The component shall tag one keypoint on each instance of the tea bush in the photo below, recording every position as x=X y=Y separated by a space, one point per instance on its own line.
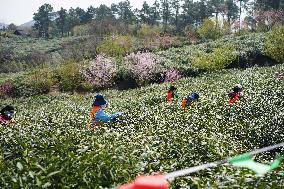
x=219 y=59
x=51 y=148
x=69 y=78
x=274 y=44
x=247 y=47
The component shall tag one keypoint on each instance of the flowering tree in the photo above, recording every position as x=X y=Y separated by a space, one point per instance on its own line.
x=172 y=75
x=145 y=67
x=100 y=72
x=269 y=18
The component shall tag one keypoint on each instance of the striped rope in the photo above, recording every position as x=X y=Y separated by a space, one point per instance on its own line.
x=183 y=172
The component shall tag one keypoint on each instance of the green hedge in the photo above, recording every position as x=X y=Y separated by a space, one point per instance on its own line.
x=274 y=44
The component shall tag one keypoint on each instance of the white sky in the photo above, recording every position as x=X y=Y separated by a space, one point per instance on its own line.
x=21 y=11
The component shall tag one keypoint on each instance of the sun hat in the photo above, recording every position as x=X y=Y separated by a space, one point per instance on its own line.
x=99 y=100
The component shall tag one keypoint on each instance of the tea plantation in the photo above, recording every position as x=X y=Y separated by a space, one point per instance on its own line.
x=51 y=148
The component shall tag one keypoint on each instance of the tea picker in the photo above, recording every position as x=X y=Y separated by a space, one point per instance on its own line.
x=189 y=99
x=6 y=115
x=172 y=93
x=234 y=95
x=98 y=116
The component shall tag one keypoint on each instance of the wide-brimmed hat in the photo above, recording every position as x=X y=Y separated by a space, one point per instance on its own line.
x=8 y=108
x=237 y=88
x=172 y=88
x=99 y=100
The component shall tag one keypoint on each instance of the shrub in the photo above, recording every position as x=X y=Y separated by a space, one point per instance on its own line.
x=145 y=67
x=35 y=82
x=148 y=31
x=124 y=78
x=209 y=30
x=6 y=88
x=220 y=58
x=40 y=80
x=101 y=71
x=116 y=45
x=191 y=34
x=69 y=77
x=274 y=44
x=87 y=46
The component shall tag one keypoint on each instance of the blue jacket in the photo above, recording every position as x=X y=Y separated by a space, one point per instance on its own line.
x=102 y=116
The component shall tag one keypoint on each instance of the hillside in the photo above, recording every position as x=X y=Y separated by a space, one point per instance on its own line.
x=51 y=147
x=27 y=24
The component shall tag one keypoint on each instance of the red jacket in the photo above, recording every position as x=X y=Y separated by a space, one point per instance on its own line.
x=3 y=120
x=234 y=97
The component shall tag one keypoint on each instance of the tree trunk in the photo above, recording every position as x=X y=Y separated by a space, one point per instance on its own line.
x=240 y=15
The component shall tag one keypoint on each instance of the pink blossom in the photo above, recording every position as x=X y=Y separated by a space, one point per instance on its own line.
x=172 y=75
x=100 y=72
x=269 y=18
x=145 y=67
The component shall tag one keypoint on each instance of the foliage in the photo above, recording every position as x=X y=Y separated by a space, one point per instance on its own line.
x=81 y=30
x=246 y=46
x=18 y=53
x=100 y=72
x=219 y=59
x=5 y=89
x=51 y=147
x=68 y=77
x=116 y=45
x=148 y=31
x=266 y=20
x=274 y=44
x=42 y=20
x=31 y=83
x=209 y=30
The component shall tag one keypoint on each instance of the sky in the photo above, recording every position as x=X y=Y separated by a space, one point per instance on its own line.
x=21 y=11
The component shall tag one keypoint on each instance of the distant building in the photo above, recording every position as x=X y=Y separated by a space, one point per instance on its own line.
x=20 y=33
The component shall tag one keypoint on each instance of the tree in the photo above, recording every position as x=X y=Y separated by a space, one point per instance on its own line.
x=216 y=6
x=154 y=13
x=231 y=11
x=11 y=27
x=42 y=20
x=75 y=17
x=102 y=12
x=144 y=13
x=124 y=12
x=188 y=13
x=80 y=15
x=166 y=13
x=202 y=11
x=61 y=20
x=266 y=5
x=175 y=4
x=71 y=20
x=241 y=5
x=89 y=15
